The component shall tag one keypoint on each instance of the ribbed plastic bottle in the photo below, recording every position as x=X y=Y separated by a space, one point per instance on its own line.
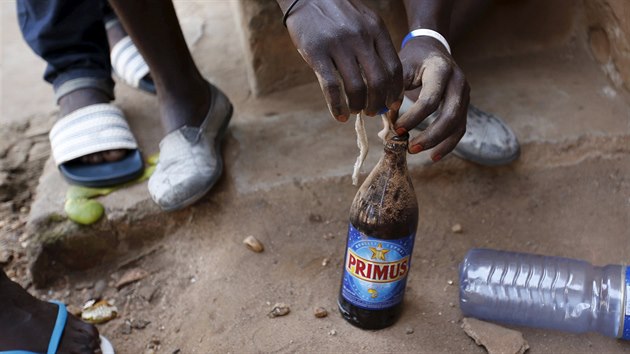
x=545 y=292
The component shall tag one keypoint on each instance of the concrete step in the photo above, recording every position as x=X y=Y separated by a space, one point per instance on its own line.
x=297 y=149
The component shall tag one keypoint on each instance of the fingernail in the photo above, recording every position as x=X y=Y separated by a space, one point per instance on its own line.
x=401 y=131
x=342 y=118
x=437 y=157
x=415 y=149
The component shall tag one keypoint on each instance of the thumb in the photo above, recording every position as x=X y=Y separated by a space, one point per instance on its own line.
x=411 y=79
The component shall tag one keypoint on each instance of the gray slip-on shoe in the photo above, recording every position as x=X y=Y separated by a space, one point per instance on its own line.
x=190 y=161
x=488 y=141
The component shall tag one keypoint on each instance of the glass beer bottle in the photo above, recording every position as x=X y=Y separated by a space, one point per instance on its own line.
x=383 y=222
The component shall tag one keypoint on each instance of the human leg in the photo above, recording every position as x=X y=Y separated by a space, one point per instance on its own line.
x=126 y=61
x=194 y=113
x=182 y=91
x=70 y=37
x=26 y=323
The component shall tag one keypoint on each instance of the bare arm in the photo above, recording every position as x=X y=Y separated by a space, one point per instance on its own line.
x=350 y=50
x=428 y=65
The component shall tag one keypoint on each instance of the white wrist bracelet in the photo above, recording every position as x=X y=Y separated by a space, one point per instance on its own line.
x=428 y=33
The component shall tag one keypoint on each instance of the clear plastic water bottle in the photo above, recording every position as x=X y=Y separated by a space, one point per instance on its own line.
x=545 y=292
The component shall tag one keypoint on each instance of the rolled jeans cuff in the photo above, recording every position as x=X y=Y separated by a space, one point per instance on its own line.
x=104 y=85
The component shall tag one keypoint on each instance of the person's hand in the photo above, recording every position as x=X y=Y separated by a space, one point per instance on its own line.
x=427 y=65
x=350 y=50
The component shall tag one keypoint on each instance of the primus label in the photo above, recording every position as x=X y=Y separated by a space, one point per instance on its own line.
x=375 y=270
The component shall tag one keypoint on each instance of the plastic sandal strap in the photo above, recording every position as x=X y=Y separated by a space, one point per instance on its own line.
x=90 y=129
x=55 y=337
x=60 y=325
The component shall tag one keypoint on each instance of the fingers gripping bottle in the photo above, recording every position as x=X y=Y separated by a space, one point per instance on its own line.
x=383 y=222
x=546 y=292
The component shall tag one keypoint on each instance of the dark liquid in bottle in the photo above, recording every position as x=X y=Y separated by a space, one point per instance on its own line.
x=383 y=220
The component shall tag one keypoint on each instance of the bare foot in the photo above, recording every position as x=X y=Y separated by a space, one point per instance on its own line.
x=26 y=323
x=82 y=98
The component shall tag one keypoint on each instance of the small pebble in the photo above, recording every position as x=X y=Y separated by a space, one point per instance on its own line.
x=125 y=328
x=279 y=309
x=449 y=282
x=332 y=332
x=328 y=236
x=451 y=304
x=325 y=262
x=253 y=244
x=457 y=229
x=315 y=218
x=409 y=330
x=139 y=324
x=320 y=312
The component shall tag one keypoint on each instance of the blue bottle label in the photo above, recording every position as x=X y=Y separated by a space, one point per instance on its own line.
x=626 y=317
x=375 y=270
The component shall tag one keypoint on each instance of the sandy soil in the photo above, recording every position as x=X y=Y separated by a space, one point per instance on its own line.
x=206 y=292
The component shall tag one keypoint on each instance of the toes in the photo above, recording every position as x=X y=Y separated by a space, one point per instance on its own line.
x=91 y=159
x=113 y=155
x=104 y=156
x=83 y=337
x=95 y=158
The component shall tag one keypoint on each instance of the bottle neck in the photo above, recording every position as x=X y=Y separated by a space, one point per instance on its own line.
x=396 y=151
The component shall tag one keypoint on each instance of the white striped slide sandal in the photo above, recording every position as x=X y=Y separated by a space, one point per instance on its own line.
x=129 y=65
x=88 y=130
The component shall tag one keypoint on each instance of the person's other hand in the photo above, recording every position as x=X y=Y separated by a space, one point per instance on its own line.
x=428 y=66
x=350 y=50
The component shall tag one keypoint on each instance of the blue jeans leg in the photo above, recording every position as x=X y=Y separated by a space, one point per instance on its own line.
x=70 y=36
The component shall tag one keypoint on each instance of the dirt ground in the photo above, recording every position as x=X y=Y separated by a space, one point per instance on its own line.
x=205 y=292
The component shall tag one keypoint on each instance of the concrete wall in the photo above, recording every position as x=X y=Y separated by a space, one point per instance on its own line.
x=513 y=27
x=509 y=27
x=273 y=62
x=608 y=26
